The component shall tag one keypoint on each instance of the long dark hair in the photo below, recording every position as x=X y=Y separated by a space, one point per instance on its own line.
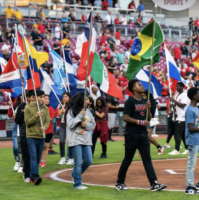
x=91 y=105
x=76 y=104
x=100 y=109
x=68 y=94
x=18 y=102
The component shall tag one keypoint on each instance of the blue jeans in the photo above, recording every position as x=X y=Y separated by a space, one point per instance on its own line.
x=80 y=152
x=192 y=158
x=14 y=139
x=35 y=147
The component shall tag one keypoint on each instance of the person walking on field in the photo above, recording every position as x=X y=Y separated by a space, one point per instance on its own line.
x=136 y=136
x=192 y=139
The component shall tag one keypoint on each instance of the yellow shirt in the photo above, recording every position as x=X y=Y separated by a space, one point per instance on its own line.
x=9 y=12
x=65 y=41
x=43 y=15
x=35 y=26
x=18 y=15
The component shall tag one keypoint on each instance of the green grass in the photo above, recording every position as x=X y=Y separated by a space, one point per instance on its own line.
x=13 y=187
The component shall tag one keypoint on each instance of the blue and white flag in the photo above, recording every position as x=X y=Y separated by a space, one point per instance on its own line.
x=69 y=70
x=59 y=76
x=79 y=88
x=50 y=89
x=155 y=87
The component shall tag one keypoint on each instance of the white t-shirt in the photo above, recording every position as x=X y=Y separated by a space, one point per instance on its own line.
x=124 y=67
x=124 y=21
x=5 y=46
x=109 y=19
x=57 y=33
x=182 y=98
x=127 y=54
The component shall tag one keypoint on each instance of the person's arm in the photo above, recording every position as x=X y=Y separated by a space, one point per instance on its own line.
x=89 y=126
x=130 y=120
x=61 y=111
x=38 y=39
x=52 y=114
x=72 y=122
x=192 y=128
x=181 y=105
x=46 y=122
x=100 y=115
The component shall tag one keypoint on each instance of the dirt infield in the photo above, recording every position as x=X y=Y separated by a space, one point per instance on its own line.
x=171 y=172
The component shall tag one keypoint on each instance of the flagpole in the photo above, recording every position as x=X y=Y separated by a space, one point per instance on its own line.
x=91 y=15
x=33 y=82
x=65 y=67
x=52 y=90
x=154 y=22
x=22 y=82
x=11 y=105
x=58 y=70
x=89 y=79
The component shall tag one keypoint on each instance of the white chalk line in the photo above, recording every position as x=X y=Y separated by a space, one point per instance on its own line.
x=54 y=175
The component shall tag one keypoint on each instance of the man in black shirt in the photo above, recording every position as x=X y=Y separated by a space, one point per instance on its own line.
x=191 y=23
x=113 y=106
x=136 y=136
x=111 y=41
x=57 y=47
x=66 y=30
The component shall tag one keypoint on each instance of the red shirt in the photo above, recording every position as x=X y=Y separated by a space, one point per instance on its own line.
x=177 y=53
x=106 y=35
x=108 y=50
x=117 y=35
x=50 y=128
x=155 y=74
x=41 y=28
x=84 y=18
x=122 y=79
x=131 y=6
x=165 y=90
x=139 y=20
x=196 y=23
x=193 y=69
x=131 y=43
x=124 y=84
x=183 y=72
x=105 y=5
x=102 y=41
x=117 y=21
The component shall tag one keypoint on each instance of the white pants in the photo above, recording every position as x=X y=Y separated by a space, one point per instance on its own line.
x=111 y=120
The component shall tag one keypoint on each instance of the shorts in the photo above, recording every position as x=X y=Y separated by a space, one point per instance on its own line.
x=149 y=127
x=48 y=137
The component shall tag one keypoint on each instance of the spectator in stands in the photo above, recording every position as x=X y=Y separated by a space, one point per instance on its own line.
x=131 y=24
x=65 y=40
x=109 y=19
x=41 y=29
x=124 y=66
x=105 y=5
x=194 y=37
x=9 y=35
x=190 y=71
x=132 y=41
x=57 y=47
x=71 y=16
x=6 y=54
x=117 y=37
x=84 y=18
x=2 y=94
x=64 y=17
x=103 y=51
x=184 y=50
x=191 y=24
x=188 y=60
x=165 y=87
x=18 y=15
x=100 y=35
x=34 y=34
x=139 y=20
x=124 y=20
x=114 y=55
x=6 y=46
x=117 y=4
x=111 y=65
x=120 y=57
x=195 y=47
x=97 y=20
x=1 y=34
x=48 y=67
x=197 y=79
x=103 y=56
x=58 y=32
x=141 y=9
x=107 y=33
x=128 y=53
x=36 y=24
x=43 y=14
x=196 y=25
x=102 y=40
x=111 y=42
x=178 y=63
x=98 y=3
x=183 y=70
x=66 y=30
x=9 y=12
x=150 y=20
x=190 y=80
x=75 y=66
x=194 y=54
x=117 y=20
x=184 y=63
x=49 y=31
x=155 y=72
x=38 y=43
x=38 y=14
x=132 y=5
x=177 y=52
x=189 y=49
x=22 y=28
x=187 y=41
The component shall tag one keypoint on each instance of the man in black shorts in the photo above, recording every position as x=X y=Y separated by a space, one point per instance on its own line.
x=136 y=136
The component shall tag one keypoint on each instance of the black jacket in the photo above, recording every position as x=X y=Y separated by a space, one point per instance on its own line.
x=19 y=119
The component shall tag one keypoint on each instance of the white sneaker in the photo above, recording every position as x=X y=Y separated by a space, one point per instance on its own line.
x=20 y=170
x=167 y=147
x=81 y=187
x=70 y=162
x=155 y=135
x=180 y=147
x=62 y=161
x=27 y=180
x=17 y=166
x=185 y=152
x=154 y=122
x=174 y=152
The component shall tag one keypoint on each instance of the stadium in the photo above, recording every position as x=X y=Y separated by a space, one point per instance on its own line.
x=98 y=99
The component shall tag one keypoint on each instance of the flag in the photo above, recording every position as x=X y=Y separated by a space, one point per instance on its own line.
x=80 y=87
x=48 y=86
x=3 y=63
x=107 y=81
x=69 y=70
x=172 y=70
x=141 y=49
x=10 y=77
x=14 y=92
x=82 y=50
x=59 y=76
x=155 y=87
x=195 y=60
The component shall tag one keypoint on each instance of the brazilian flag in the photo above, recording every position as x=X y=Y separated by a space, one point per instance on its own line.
x=141 y=49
